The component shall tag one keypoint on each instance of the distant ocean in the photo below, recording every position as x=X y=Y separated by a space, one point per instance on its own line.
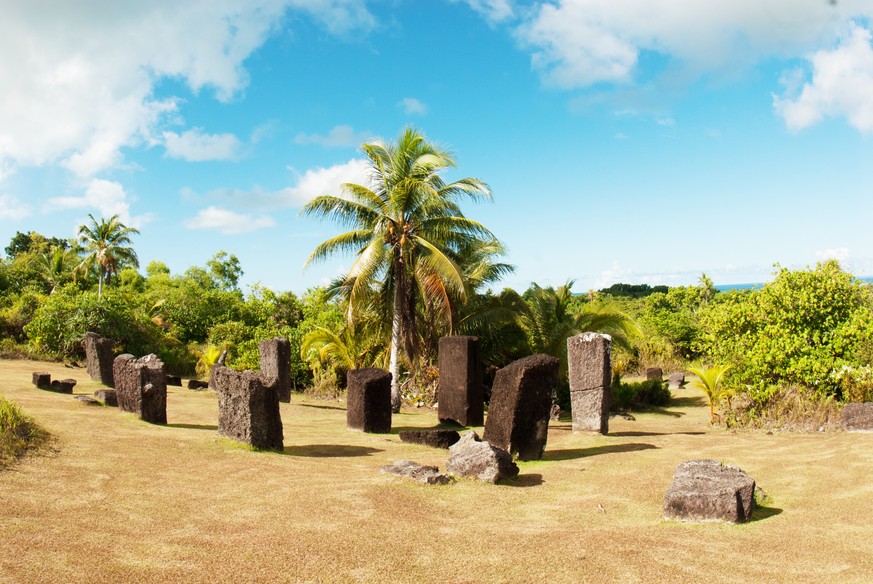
x=726 y=287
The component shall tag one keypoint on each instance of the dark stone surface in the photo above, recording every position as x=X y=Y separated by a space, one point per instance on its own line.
x=88 y=400
x=141 y=387
x=63 y=385
x=676 y=380
x=654 y=373
x=369 y=400
x=276 y=365
x=429 y=475
x=706 y=490
x=107 y=396
x=460 y=395
x=42 y=380
x=99 y=358
x=433 y=438
x=858 y=417
x=248 y=408
x=589 y=368
x=197 y=385
x=521 y=401
x=472 y=457
x=174 y=380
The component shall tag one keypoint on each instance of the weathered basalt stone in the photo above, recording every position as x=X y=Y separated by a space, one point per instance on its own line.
x=197 y=385
x=858 y=417
x=369 y=400
x=706 y=490
x=63 y=385
x=107 y=396
x=276 y=365
x=654 y=373
x=42 y=380
x=87 y=400
x=460 y=394
x=141 y=387
x=472 y=457
x=521 y=402
x=99 y=359
x=434 y=438
x=589 y=367
x=174 y=380
x=676 y=380
x=429 y=475
x=248 y=408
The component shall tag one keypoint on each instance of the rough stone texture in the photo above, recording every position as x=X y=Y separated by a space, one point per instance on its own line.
x=521 y=402
x=472 y=457
x=174 y=380
x=197 y=385
x=676 y=380
x=589 y=367
x=248 y=408
x=98 y=355
x=706 y=490
x=654 y=373
x=369 y=400
x=88 y=400
x=461 y=394
x=432 y=438
x=429 y=475
x=276 y=365
x=141 y=387
x=858 y=417
x=555 y=412
x=42 y=380
x=63 y=385
x=107 y=396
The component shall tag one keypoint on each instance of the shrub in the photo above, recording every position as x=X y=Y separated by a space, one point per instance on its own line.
x=18 y=432
x=637 y=395
x=791 y=409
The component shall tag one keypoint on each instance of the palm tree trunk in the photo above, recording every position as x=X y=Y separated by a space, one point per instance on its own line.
x=100 y=284
x=396 y=330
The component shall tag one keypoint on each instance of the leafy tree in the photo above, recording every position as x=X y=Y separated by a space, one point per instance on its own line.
x=107 y=246
x=225 y=270
x=32 y=241
x=406 y=224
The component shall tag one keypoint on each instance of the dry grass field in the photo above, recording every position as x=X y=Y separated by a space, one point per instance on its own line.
x=118 y=500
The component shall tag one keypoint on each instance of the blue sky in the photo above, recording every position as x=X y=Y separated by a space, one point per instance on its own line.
x=639 y=141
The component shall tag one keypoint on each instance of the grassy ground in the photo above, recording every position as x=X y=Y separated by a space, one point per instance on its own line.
x=119 y=500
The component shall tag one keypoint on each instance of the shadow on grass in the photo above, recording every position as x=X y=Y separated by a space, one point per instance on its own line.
x=330 y=450
x=193 y=426
x=691 y=401
x=763 y=512
x=525 y=480
x=324 y=407
x=635 y=433
x=441 y=426
x=572 y=453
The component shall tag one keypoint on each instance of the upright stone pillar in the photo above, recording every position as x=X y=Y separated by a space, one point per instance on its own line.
x=248 y=408
x=460 y=395
x=590 y=370
x=654 y=373
x=141 y=387
x=521 y=401
x=369 y=400
x=276 y=366
x=98 y=356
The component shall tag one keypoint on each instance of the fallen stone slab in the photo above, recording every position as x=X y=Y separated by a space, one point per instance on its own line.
x=197 y=385
x=88 y=400
x=858 y=417
x=63 y=385
x=707 y=490
x=174 y=380
x=472 y=457
x=107 y=396
x=429 y=475
x=435 y=438
x=42 y=380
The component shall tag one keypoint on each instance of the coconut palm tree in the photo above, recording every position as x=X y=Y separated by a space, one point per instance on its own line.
x=406 y=227
x=55 y=265
x=107 y=247
x=710 y=381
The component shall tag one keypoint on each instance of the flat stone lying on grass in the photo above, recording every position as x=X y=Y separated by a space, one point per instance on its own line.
x=435 y=438
x=368 y=402
x=174 y=380
x=589 y=369
x=42 y=380
x=99 y=358
x=63 y=385
x=275 y=364
x=87 y=399
x=472 y=457
x=248 y=408
x=521 y=402
x=107 y=396
x=858 y=417
x=429 y=475
x=197 y=385
x=461 y=395
x=676 y=380
x=707 y=490
x=141 y=387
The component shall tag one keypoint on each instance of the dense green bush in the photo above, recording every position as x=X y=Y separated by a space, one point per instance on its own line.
x=640 y=394
x=18 y=432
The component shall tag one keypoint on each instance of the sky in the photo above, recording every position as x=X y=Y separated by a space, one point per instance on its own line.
x=641 y=141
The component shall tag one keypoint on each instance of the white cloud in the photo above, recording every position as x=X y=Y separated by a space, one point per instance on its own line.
x=108 y=198
x=12 y=208
x=326 y=181
x=339 y=137
x=493 y=10
x=78 y=79
x=228 y=222
x=578 y=43
x=195 y=146
x=841 y=254
x=842 y=85
x=412 y=106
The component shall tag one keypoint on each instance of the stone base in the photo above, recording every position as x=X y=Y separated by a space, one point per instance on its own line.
x=432 y=438
x=706 y=490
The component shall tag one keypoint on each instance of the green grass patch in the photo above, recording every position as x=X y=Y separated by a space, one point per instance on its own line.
x=18 y=432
